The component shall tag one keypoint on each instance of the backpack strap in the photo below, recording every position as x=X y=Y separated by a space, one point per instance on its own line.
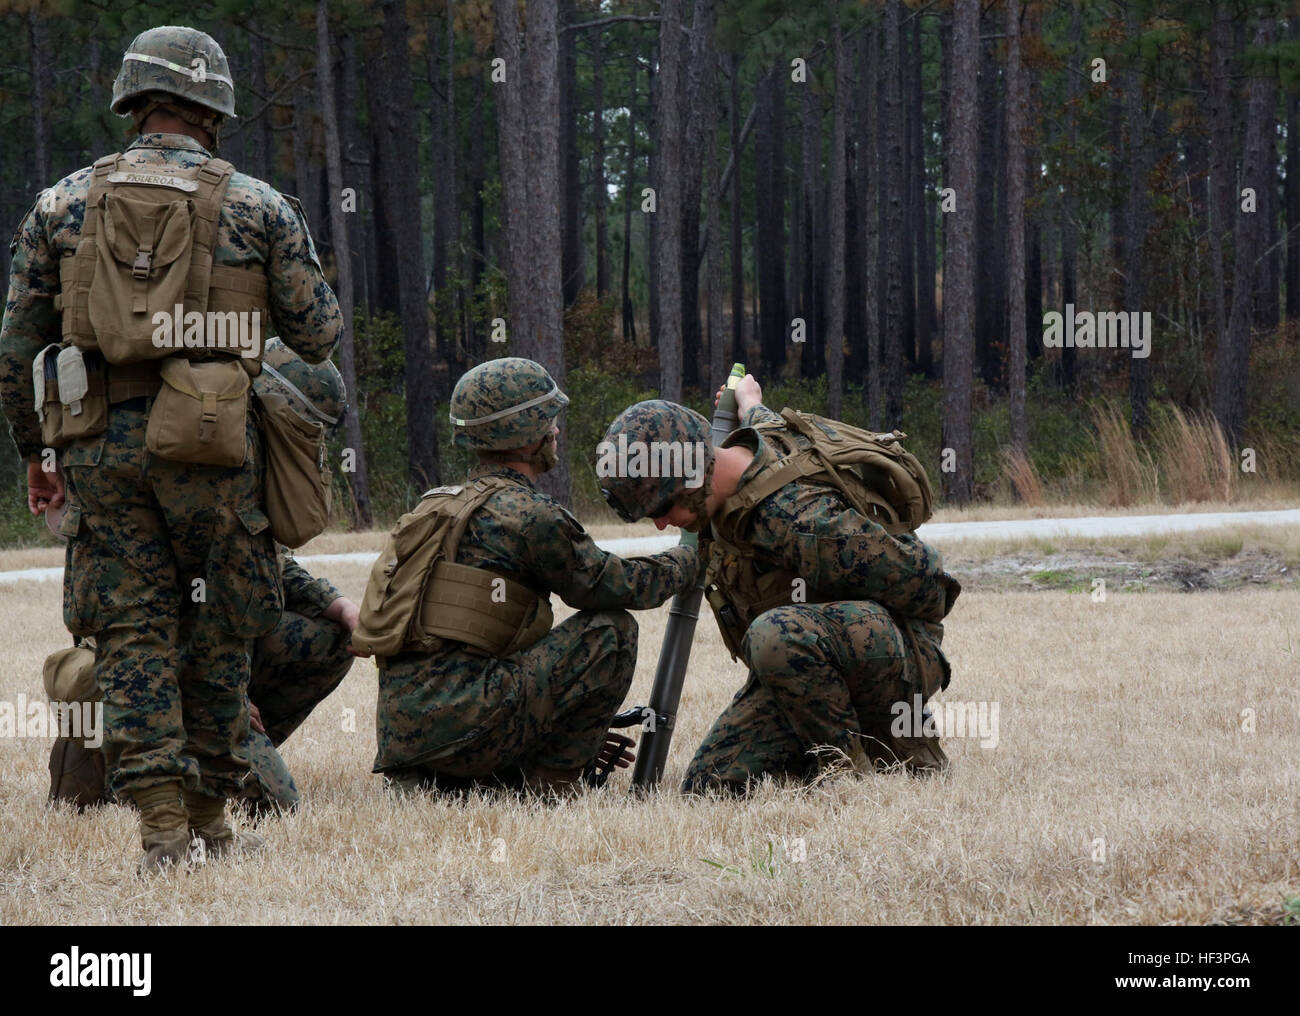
x=77 y=272
x=213 y=180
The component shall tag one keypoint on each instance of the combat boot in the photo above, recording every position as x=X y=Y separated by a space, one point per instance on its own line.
x=164 y=826
x=208 y=823
x=921 y=756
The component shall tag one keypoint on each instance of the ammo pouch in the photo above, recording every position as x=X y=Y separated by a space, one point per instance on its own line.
x=489 y=612
x=298 y=480
x=201 y=413
x=71 y=396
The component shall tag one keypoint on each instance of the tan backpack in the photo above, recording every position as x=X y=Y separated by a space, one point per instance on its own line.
x=146 y=249
x=418 y=596
x=875 y=473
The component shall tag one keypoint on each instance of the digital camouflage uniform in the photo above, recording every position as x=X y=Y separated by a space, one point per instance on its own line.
x=294 y=668
x=460 y=713
x=537 y=716
x=141 y=529
x=826 y=673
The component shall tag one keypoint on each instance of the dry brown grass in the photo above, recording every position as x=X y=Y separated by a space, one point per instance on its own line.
x=1019 y=473
x=1129 y=475
x=1120 y=721
x=1196 y=463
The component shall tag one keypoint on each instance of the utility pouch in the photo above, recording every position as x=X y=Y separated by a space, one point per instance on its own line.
x=83 y=394
x=201 y=413
x=730 y=624
x=298 y=480
x=45 y=394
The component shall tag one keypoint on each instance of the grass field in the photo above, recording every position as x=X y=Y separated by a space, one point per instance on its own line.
x=1146 y=771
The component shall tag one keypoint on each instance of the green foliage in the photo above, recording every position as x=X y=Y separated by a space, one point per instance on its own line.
x=595 y=398
x=761 y=862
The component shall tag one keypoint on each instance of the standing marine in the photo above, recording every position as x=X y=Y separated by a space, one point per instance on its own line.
x=837 y=619
x=139 y=292
x=475 y=685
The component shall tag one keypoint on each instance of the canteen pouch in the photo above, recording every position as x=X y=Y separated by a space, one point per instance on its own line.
x=298 y=481
x=83 y=394
x=201 y=413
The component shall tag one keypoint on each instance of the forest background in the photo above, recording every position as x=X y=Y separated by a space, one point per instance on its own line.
x=872 y=205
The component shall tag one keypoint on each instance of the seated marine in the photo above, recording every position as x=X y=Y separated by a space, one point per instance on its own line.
x=475 y=685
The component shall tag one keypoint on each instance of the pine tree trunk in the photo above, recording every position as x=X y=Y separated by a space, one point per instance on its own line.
x=572 y=267
x=1016 y=230
x=402 y=193
x=836 y=253
x=629 y=173
x=738 y=353
x=1135 y=220
x=770 y=239
x=362 y=513
x=892 y=238
x=39 y=63
x=544 y=284
x=669 y=194
x=1293 y=193
x=869 y=174
x=1232 y=360
x=959 y=277
x=599 y=190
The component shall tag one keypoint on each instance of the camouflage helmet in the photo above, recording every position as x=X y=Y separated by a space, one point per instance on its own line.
x=314 y=391
x=179 y=61
x=504 y=404
x=664 y=434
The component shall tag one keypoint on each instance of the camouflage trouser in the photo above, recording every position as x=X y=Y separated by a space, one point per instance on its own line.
x=819 y=675
x=294 y=669
x=473 y=718
x=171 y=568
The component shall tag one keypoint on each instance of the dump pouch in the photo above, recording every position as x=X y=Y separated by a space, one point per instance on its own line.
x=298 y=480
x=201 y=413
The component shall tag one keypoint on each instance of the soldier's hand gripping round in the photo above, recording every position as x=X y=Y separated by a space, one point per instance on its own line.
x=823 y=589
x=474 y=682
x=170 y=566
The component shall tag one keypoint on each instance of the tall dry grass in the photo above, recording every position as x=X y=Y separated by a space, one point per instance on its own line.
x=1128 y=476
x=1195 y=461
x=1020 y=474
x=1127 y=787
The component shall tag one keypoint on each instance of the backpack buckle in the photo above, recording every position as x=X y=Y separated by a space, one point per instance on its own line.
x=143 y=263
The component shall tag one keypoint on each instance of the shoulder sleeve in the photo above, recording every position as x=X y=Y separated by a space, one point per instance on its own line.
x=30 y=323
x=567 y=561
x=303 y=307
